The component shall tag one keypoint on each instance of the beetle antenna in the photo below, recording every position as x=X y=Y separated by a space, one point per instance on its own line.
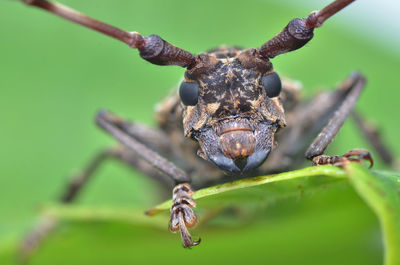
x=151 y=48
x=299 y=31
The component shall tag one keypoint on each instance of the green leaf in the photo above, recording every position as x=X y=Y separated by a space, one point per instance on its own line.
x=263 y=189
x=381 y=191
x=241 y=193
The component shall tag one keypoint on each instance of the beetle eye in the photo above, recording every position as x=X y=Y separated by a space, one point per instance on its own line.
x=189 y=93
x=272 y=84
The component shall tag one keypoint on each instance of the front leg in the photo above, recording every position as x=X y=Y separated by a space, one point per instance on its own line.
x=112 y=125
x=354 y=155
x=315 y=151
x=182 y=214
x=139 y=142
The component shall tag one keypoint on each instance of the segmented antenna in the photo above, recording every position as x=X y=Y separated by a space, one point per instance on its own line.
x=299 y=31
x=152 y=48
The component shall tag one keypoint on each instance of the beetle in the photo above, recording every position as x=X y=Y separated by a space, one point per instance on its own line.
x=238 y=114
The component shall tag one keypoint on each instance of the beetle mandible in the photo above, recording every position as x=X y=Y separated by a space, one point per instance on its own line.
x=232 y=105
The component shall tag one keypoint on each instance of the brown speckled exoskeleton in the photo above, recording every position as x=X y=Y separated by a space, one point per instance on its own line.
x=232 y=111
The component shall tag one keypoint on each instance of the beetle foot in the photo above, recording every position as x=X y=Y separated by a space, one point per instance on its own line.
x=182 y=214
x=354 y=155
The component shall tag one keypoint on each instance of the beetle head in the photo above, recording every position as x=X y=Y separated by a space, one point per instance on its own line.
x=232 y=108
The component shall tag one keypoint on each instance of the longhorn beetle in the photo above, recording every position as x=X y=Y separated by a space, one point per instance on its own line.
x=234 y=108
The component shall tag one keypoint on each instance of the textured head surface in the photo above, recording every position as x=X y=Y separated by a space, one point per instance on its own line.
x=234 y=120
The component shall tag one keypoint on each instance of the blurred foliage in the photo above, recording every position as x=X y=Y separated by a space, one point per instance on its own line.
x=55 y=76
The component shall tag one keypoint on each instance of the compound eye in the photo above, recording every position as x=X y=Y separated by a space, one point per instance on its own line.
x=189 y=93
x=272 y=84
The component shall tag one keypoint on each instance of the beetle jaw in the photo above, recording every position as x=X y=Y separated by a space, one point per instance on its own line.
x=237 y=150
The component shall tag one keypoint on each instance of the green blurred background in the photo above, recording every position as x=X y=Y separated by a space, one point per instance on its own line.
x=54 y=76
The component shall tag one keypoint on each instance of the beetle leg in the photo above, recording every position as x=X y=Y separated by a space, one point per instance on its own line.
x=371 y=133
x=111 y=124
x=182 y=214
x=144 y=138
x=46 y=224
x=354 y=155
x=327 y=134
x=41 y=230
x=308 y=121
